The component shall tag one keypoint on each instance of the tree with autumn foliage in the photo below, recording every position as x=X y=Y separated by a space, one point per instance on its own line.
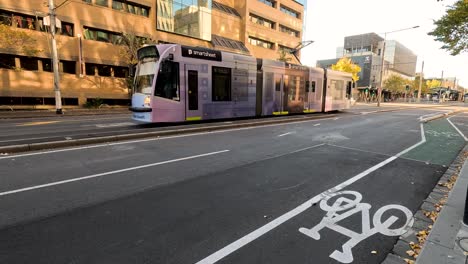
x=395 y=83
x=17 y=41
x=434 y=83
x=346 y=65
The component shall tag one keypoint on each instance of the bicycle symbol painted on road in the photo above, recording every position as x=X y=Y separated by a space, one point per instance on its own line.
x=348 y=207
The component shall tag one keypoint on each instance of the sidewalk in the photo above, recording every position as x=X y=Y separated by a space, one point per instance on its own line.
x=435 y=235
x=443 y=243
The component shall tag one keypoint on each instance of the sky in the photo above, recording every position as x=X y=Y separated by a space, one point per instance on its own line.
x=329 y=21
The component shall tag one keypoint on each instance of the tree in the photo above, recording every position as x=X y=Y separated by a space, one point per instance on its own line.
x=128 y=50
x=452 y=28
x=433 y=83
x=414 y=84
x=346 y=65
x=395 y=83
x=283 y=55
x=130 y=45
x=17 y=41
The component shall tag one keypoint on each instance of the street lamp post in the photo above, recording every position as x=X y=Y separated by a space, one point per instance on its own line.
x=379 y=90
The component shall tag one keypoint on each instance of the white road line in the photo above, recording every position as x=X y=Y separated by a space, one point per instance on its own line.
x=23 y=139
x=336 y=118
x=456 y=128
x=234 y=246
x=154 y=139
x=317 y=124
x=109 y=173
x=288 y=133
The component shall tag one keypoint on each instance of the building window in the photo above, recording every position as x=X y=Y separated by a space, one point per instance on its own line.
x=67 y=29
x=87 y=1
x=261 y=43
x=29 y=64
x=130 y=7
x=269 y=3
x=221 y=84
x=191 y=18
x=289 y=11
x=19 y=20
x=286 y=49
x=68 y=67
x=102 y=2
x=120 y=72
x=102 y=35
x=289 y=31
x=262 y=21
x=46 y=65
x=7 y=61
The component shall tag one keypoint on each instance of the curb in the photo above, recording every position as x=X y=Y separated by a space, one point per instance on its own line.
x=434 y=117
x=106 y=139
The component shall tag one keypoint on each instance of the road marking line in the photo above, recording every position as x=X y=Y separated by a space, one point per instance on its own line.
x=317 y=124
x=456 y=128
x=336 y=118
x=155 y=138
x=122 y=124
x=288 y=133
x=37 y=123
x=109 y=173
x=234 y=246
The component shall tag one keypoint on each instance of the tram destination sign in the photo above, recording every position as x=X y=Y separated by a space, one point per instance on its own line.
x=201 y=53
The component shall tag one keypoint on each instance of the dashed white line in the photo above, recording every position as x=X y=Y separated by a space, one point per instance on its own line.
x=108 y=173
x=234 y=246
x=288 y=133
x=317 y=124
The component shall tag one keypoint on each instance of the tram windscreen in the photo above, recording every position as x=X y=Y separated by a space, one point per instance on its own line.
x=144 y=83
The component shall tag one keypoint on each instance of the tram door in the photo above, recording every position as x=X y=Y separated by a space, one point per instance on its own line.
x=281 y=96
x=310 y=87
x=192 y=112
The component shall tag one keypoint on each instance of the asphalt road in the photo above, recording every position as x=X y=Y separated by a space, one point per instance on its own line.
x=59 y=128
x=289 y=193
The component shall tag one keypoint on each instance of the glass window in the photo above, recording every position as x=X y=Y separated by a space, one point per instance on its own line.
x=337 y=87
x=289 y=11
x=47 y=65
x=221 y=83
x=144 y=83
x=29 y=64
x=191 y=18
x=261 y=43
x=167 y=81
x=67 y=29
x=117 y=5
x=313 y=86
x=269 y=2
x=262 y=21
x=289 y=31
x=102 y=2
x=7 y=61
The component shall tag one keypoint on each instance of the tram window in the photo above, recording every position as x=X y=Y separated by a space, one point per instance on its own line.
x=167 y=83
x=313 y=86
x=278 y=84
x=221 y=84
x=307 y=86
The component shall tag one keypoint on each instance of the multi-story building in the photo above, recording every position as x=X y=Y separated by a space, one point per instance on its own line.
x=90 y=41
x=366 y=51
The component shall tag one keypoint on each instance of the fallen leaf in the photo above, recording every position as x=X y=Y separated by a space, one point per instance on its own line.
x=410 y=253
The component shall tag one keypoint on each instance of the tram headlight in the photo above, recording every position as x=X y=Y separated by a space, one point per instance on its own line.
x=147 y=101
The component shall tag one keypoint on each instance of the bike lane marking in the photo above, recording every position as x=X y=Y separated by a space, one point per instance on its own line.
x=241 y=242
x=456 y=128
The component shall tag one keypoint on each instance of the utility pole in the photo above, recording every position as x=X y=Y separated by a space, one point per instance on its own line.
x=55 y=61
x=379 y=90
x=420 y=82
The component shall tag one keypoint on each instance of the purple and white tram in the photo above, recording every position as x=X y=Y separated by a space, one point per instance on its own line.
x=175 y=83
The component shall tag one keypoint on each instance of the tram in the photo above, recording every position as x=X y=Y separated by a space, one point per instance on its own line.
x=175 y=83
